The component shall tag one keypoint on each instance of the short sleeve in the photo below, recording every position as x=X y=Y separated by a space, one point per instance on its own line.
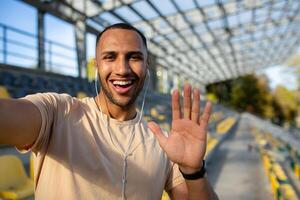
x=174 y=178
x=47 y=104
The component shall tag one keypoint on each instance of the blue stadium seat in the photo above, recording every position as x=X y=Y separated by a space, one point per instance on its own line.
x=22 y=80
x=6 y=78
x=39 y=84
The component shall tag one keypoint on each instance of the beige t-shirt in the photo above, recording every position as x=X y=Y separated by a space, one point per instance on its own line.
x=79 y=153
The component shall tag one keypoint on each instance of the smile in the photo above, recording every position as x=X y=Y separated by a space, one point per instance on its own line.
x=122 y=86
x=122 y=83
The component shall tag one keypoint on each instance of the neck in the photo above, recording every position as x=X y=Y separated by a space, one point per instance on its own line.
x=114 y=111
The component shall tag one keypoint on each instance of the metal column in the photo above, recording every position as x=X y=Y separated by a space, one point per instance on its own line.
x=152 y=68
x=41 y=41
x=80 y=29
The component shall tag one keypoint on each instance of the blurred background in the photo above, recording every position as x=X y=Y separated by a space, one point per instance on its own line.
x=244 y=55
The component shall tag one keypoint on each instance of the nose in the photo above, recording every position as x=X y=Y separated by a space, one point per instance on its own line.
x=122 y=67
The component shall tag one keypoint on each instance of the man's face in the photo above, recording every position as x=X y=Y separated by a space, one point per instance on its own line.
x=121 y=59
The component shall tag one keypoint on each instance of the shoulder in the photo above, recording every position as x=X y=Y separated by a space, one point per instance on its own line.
x=57 y=101
x=47 y=96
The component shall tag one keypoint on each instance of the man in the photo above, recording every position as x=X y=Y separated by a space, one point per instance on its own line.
x=98 y=148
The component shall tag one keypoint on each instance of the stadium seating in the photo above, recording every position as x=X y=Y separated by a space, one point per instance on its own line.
x=14 y=183
x=272 y=150
x=21 y=83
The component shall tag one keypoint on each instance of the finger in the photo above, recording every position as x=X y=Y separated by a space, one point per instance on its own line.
x=175 y=105
x=205 y=116
x=187 y=101
x=162 y=139
x=195 y=106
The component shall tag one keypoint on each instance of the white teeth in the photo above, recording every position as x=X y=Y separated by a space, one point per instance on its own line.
x=122 y=82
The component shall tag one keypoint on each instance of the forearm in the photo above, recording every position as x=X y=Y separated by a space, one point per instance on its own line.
x=5 y=126
x=20 y=122
x=200 y=189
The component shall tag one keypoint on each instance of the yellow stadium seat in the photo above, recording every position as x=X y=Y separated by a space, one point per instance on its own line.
x=297 y=170
x=161 y=117
x=14 y=183
x=31 y=166
x=225 y=125
x=211 y=143
x=91 y=70
x=288 y=193
x=154 y=112
x=274 y=184
x=279 y=172
x=266 y=162
x=4 y=94
x=147 y=118
x=81 y=95
x=165 y=196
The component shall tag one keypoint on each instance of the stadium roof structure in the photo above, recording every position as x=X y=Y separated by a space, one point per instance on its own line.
x=204 y=40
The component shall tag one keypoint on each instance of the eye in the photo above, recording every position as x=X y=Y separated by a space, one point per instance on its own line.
x=136 y=57
x=109 y=57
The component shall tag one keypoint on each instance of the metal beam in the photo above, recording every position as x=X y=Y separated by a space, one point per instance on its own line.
x=41 y=40
x=80 y=29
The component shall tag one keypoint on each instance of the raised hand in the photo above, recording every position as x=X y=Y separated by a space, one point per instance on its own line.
x=186 y=144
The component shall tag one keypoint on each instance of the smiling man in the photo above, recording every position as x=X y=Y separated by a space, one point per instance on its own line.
x=100 y=148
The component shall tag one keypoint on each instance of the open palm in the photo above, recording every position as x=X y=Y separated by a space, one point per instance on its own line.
x=186 y=144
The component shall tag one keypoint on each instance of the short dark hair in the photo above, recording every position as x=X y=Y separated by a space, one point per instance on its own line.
x=122 y=26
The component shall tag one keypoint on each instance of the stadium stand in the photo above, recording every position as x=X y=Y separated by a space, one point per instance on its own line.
x=20 y=82
x=279 y=152
x=269 y=148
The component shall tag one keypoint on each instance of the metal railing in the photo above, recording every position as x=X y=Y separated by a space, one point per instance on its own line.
x=20 y=48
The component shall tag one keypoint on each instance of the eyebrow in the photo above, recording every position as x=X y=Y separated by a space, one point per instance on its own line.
x=108 y=52
x=130 y=52
x=136 y=52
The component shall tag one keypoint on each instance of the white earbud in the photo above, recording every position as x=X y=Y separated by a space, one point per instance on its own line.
x=96 y=79
x=148 y=72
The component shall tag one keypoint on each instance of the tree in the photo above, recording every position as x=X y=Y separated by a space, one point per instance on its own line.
x=286 y=105
x=294 y=61
x=247 y=93
x=251 y=93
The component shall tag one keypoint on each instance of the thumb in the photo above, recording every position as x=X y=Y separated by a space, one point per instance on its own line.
x=156 y=130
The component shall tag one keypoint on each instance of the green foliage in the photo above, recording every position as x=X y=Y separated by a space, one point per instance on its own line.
x=252 y=94
x=285 y=103
x=294 y=62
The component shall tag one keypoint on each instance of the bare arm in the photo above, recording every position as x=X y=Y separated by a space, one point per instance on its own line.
x=20 y=122
x=196 y=189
